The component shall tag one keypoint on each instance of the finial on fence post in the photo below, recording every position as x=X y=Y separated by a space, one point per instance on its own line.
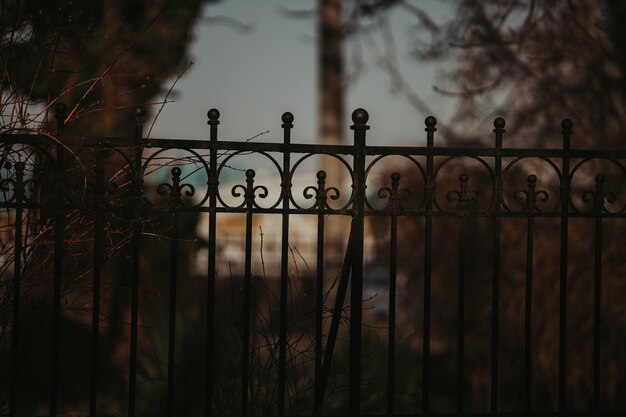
x=431 y=128
x=139 y=114
x=499 y=124
x=60 y=111
x=566 y=130
x=499 y=130
x=287 y=119
x=214 y=116
x=360 y=118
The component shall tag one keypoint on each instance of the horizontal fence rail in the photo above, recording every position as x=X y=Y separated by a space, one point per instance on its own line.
x=466 y=317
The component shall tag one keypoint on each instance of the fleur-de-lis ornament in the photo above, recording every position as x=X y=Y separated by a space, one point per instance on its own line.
x=394 y=195
x=465 y=198
x=175 y=189
x=321 y=193
x=18 y=186
x=599 y=196
x=531 y=196
x=249 y=191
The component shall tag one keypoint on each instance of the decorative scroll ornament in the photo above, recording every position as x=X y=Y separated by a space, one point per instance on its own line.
x=465 y=198
x=18 y=186
x=175 y=189
x=599 y=196
x=532 y=196
x=250 y=191
x=321 y=193
x=394 y=195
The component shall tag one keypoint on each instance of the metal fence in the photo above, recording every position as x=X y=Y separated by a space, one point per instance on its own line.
x=61 y=191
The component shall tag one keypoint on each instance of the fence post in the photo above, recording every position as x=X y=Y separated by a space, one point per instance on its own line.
x=429 y=188
x=213 y=116
x=248 y=323
x=566 y=126
x=287 y=125
x=360 y=118
x=59 y=226
x=599 y=208
x=320 y=205
x=17 y=280
x=98 y=259
x=139 y=114
x=175 y=204
x=498 y=124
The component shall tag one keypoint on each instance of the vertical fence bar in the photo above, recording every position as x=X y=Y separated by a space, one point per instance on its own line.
x=597 y=292
x=98 y=257
x=59 y=226
x=287 y=119
x=175 y=202
x=460 y=378
x=393 y=255
x=139 y=115
x=17 y=281
x=465 y=200
x=360 y=118
x=171 y=353
x=247 y=292
x=213 y=116
x=566 y=126
x=429 y=187
x=498 y=125
x=531 y=201
x=319 y=292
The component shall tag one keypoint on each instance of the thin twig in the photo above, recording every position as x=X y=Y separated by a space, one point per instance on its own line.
x=178 y=77
x=295 y=264
x=49 y=136
x=262 y=260
x=112 y=64
x=303 y=260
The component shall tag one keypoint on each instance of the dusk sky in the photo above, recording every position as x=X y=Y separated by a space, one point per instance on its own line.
x=254 y=76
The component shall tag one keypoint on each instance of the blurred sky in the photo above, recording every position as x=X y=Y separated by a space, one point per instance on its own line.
x=252 y=77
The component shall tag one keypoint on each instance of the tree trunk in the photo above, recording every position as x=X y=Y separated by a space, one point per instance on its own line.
x=331 y=103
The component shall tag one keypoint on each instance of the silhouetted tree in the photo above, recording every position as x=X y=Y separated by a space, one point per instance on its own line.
x=101 y=58
x=534 y=63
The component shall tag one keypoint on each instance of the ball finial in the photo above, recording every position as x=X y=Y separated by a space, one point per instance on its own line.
x=430 y=121
x=287 y=118
x=499 y=123
x=321 y=175
x=213 y=114
x=395 y=176
x=567 y=124
x=60 y=109
x=463 y=178
x=360 y=116
x=532 y=179
x=139 y=113
x=250 y=173
x=176 y=171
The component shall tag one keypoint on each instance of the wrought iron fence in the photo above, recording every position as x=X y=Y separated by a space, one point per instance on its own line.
x=93 y=193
